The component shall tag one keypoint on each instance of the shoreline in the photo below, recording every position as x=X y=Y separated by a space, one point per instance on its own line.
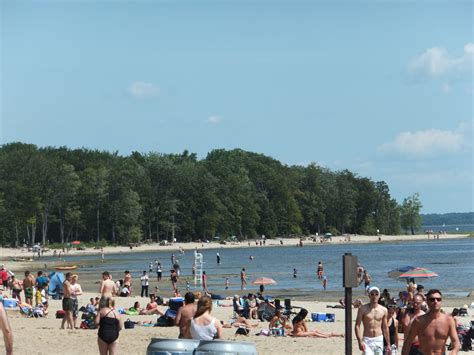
x=6 y=253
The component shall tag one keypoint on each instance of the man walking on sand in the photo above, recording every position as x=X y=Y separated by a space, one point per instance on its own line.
x=432 y=329
x=409 y=317
x=184 y=316
x=68 y=303
x=374 y=318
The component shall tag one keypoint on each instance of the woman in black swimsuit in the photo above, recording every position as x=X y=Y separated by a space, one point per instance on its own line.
x=108 y=321
x=392 y=323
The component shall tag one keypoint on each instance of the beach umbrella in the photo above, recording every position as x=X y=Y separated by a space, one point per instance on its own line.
x=75 y=242
x=395 y=273
x=264 y=281
x=418 y=273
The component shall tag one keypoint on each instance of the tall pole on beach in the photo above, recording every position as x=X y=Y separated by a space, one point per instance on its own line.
x=349 y=280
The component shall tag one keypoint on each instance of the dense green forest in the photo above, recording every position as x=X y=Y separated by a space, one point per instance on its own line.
x=435 y=219
x=55 y=195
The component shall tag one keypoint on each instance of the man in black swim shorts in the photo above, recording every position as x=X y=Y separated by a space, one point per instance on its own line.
x=68 y=303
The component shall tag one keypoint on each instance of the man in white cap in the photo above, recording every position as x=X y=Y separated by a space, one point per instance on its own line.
x=374 y=317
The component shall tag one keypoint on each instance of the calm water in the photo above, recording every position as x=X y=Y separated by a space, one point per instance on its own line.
x=451 y=259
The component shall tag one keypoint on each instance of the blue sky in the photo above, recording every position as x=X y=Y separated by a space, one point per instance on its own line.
x=382 y=88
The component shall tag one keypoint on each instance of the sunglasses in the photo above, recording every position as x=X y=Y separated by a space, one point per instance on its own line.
x=374 y=293
x=437 y=299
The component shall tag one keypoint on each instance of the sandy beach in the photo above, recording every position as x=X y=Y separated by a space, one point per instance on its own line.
x=43 y=336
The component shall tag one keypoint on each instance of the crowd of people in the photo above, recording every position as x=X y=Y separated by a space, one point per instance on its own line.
x=379 y=327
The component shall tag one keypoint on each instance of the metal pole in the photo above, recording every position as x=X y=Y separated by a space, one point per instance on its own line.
x=348 y=313
x=348 y=281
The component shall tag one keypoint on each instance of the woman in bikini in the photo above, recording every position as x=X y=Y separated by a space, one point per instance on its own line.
x=203 y=325
x=300 y=329
x=108 y=321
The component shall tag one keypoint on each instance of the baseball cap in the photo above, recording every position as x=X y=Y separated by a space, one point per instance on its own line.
x=373 y=288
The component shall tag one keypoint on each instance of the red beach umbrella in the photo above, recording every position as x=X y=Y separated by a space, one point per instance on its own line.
x=418 y=273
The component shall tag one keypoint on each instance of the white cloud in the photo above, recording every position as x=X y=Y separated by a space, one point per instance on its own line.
x=429 y=143
x=143 y=90
x=436 y=62
x=215 y=119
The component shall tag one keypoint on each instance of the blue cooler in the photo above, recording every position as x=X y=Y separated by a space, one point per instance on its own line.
x=10 y=303
x=318 y=317
x=176 y=303
x=172 y=346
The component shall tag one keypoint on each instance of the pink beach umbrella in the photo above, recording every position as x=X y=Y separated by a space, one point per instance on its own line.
x=418 y=273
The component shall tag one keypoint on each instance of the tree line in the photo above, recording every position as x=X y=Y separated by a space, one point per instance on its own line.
x=56 y=195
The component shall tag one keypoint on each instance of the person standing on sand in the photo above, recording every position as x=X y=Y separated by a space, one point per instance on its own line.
x=145 y=283
x=374 y=318
x=184 y=316
x=109 y=324
x=6 y=330
x=76 y=291
x=68 y=303
x=243 y=279
x=432 y=329
x=410 y=315
x=28 y=284
x=107 y=288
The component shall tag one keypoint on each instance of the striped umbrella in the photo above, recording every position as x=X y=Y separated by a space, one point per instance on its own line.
x=418 y=273
x=395 y=273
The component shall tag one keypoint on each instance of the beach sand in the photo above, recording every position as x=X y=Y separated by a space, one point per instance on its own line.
x=43 y=336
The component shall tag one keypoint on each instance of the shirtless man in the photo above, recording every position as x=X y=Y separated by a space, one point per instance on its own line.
x=432 y=329
x=184 y=316
x=408 y=319
x=107 y=288
x=68 y=303
x=374 y=318
x=6 y=330
x=28 y=284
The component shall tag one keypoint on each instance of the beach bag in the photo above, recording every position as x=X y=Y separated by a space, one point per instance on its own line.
x=128 y=324
x=242 y=331
x=60 y=314
x=159 y=300
x=164 y=321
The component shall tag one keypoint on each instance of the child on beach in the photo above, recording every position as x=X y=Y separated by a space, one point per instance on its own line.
x=226 y=283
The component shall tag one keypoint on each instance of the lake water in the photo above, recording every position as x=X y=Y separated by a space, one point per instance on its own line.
x=451 y=259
